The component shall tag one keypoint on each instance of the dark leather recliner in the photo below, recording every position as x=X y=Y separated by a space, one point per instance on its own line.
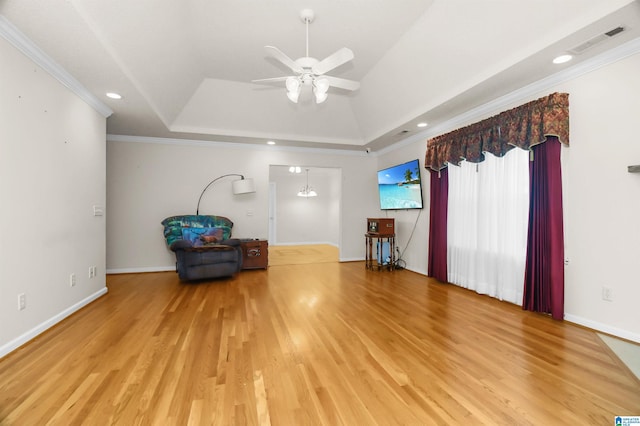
x=203 y=246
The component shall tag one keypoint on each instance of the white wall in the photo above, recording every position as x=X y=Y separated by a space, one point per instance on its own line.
x=52 y=173
x=147 y=182
x=602 y=199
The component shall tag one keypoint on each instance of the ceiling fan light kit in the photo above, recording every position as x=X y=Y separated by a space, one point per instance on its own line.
x=320 y=97
x=293 y=89
x=320 y=89
x=310 y=71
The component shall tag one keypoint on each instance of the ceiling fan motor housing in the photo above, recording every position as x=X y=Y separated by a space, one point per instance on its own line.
x=307 y=63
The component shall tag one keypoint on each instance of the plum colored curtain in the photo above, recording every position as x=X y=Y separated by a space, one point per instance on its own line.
x=544 y=276
x=528 y=127
x=437 y=265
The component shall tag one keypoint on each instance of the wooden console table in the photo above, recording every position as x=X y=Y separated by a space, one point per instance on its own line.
x=255 y=254
x=375 y=260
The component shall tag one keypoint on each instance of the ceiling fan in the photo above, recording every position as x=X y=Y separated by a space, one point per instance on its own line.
x=310 y=71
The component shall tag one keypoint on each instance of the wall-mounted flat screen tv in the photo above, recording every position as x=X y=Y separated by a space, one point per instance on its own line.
x=400 y=187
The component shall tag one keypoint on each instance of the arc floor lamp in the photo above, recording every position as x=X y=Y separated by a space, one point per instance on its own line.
x=238 y=186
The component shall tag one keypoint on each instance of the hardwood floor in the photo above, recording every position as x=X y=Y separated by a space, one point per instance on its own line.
x=300 y=254
x=316 y=344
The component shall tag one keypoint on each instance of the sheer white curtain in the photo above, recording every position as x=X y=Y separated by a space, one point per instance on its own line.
x=487 y=225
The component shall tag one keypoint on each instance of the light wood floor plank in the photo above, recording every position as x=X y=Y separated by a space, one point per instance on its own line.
x=317 y=344
x=302 y=254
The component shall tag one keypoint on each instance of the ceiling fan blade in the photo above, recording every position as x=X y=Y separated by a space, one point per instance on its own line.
x=279 y=55
x=270 y=80
x=342 y=83
x=333 y=61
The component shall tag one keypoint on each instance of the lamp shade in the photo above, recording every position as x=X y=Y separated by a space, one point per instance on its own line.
x=243 y=186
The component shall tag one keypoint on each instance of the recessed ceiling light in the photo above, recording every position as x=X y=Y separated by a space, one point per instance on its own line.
x=271 y=143
x=422 y=124
x=562 y=59
x=114 y=95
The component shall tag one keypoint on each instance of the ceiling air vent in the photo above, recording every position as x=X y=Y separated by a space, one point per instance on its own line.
x=614 y=31
x=402 y=132
x=595 y=40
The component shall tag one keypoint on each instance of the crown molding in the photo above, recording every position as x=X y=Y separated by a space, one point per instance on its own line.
x=21 y=42
x=234 y=145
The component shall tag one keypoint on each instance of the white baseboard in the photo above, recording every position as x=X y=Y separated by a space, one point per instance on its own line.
x=35 y=331
x=614 y=331
x=418 y=271
x=171 y=268
x=351 y=259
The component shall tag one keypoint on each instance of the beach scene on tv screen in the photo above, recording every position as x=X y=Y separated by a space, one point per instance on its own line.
x=399 y=187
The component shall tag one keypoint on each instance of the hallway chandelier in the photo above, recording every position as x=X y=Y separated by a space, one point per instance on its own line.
x=307 y=191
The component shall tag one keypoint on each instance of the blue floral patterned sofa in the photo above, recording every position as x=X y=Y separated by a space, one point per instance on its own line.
x=203 y=246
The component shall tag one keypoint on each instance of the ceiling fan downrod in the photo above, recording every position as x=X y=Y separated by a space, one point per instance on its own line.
x=307 y=16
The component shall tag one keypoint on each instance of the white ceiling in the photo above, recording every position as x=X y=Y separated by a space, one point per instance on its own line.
x=184 y=67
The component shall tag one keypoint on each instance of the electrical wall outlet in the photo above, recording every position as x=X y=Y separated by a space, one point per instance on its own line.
x=607 y=294
x=22 y=302
x=90 y=271
x=72 y=280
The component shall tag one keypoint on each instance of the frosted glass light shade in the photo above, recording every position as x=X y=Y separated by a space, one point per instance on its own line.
x=322 y=85
x=320 y=97
x=293 y=89
x=293 y=96
x=292 y=84
x=320 y=88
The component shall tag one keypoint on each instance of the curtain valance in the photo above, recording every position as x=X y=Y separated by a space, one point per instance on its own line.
x=523 y=127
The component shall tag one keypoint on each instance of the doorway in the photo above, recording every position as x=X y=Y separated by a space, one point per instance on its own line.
x=304 y=221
